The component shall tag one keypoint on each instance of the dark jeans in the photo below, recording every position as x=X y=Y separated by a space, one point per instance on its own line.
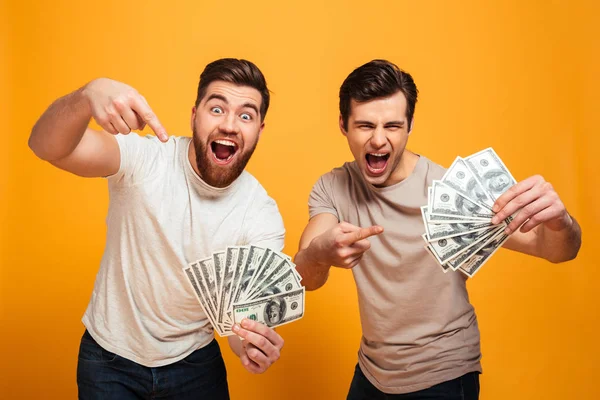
x=464 y=388
x=104 y=375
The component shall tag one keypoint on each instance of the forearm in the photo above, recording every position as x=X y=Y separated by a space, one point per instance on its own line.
x=559 y=246
x=60 y=129
x=314 y=273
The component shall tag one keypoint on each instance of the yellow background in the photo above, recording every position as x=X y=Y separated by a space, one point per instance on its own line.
x=516 y=75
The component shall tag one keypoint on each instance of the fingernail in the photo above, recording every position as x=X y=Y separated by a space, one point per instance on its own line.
x=495 y=208
x=494 y=220
x=507 y=231
x=246 y=323
x=236 y=328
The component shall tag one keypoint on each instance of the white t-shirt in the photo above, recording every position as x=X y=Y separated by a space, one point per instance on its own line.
x=161 y=217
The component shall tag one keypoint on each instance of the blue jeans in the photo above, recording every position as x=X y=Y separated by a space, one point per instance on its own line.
x=465 y=387
x=102 y=375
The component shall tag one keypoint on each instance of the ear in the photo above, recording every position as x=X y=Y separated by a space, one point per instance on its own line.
x=193 y=118
x=342 y=126
x=262 y=126
x=412 y=125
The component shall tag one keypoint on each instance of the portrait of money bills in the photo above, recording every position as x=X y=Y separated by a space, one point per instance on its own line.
x=247 y=282
x=458 y=228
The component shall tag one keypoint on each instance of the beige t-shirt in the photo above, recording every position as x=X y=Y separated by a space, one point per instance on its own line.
x=419 y=328
x=161 y=217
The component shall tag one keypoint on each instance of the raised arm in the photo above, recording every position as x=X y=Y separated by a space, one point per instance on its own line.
x=62 y=137
x=547 y=230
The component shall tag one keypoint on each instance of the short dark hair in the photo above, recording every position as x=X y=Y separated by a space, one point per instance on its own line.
x=237 y=71
x=376 y=79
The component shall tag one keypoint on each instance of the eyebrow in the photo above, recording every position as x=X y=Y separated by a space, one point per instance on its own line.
x=224 y=100
x=360 y=122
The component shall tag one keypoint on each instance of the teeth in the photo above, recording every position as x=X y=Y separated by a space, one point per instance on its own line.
x=379 y=154
x=225 y=142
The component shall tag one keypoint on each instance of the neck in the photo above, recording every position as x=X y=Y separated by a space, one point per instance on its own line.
x=192 y=157
x=405 y=167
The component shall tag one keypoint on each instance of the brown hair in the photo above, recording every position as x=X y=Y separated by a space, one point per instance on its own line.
x=239 y=72
x=376 y=79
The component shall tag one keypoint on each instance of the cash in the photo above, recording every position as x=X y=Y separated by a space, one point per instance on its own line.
x=245 y=281
x=457 y=218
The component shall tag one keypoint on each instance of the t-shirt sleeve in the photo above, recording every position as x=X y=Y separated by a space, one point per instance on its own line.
x=139 y=159
x=321 y=197
x=266 y=226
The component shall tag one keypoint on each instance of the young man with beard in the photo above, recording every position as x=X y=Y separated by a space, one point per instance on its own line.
x=173 y=200
x=420 y=336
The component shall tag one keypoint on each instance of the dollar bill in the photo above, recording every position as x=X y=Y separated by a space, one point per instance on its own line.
x=269 y=261
x=269 y=265
x=278 y=270
x=445 y=219
x=200 y=296
x=448 y=202
x=446 y=249
x=249 y=267
x=237 y=272
x=477 y=260
x=491 y=172
x=206 y=301
x=460 y=178
x=210 y=281
x=284 y=282
x=272 y=311
x=460 y=259
x=435 y=231
x=218 y=263
x=231 y=254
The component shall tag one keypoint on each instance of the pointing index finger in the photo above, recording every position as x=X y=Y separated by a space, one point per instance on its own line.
x=362 y=233
x=147 y=115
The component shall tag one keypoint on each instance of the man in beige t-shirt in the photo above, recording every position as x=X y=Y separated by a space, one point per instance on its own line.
x=420 y=336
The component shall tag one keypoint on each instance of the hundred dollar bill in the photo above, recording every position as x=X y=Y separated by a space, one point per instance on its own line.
x=210 y=281
x=285 y=282
x=477 y=260
x=435 y=231
x=278 y=270
x=268 y=264
x=491 y=172
x=231 y=254
x=274 y=310
x=199 y=295
x=448 y=202
x=446 y=249
x=463 y=257
x=445 y=219
x=219 y=266
x=460 y=178
x=237 y=272
x=197 y=280
x=251 y=263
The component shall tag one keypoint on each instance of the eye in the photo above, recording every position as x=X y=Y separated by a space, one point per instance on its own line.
x=246 y=117
x=216 y=110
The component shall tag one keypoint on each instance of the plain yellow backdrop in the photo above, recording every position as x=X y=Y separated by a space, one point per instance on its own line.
x=520 y=76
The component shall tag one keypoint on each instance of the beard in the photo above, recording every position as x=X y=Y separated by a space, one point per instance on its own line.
x=219 y=176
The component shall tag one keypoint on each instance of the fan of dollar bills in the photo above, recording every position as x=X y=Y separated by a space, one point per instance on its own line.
x=247 y=282
x=458 y=228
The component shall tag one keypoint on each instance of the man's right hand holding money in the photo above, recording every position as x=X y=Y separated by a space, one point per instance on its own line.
x=260 y=348
x=326 y=243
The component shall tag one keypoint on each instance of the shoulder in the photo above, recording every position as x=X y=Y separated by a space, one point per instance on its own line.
x=433 y=171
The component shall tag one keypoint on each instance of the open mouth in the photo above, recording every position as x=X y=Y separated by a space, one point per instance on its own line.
x=377 y=162
x=223 y=150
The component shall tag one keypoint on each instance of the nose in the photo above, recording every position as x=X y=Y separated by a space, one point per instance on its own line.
x=378 y=139
x=229 y=124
